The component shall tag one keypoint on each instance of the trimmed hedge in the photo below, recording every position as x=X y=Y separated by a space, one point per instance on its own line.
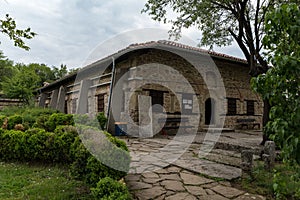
x=110 y=189
x=52 y=138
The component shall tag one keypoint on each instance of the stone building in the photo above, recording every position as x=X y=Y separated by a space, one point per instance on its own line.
x=184 y=86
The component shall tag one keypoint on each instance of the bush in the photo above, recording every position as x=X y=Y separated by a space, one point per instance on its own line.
x=102 y=120
x=2 y=120
x=40 y=122
x=14 y=120
x=110 y=189
x=286 y=183
x=85 y=120
x=57 y=119
x=30 y=115
x=12 y=145
x=87 y=167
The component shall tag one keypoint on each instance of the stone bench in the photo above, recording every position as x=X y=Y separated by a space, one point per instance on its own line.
x=173 y=123
x=248 y=122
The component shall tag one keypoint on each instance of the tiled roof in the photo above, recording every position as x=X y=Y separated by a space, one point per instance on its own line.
x=151 y=44
x=183 y=46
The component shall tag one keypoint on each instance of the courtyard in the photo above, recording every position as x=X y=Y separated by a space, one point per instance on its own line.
x=172 y=167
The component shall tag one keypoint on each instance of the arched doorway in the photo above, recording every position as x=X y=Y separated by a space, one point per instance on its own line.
x=210 y=111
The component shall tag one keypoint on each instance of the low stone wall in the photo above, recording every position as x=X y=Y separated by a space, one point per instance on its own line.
x=9 y=102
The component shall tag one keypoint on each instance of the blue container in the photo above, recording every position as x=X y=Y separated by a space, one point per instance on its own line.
x=120 y=128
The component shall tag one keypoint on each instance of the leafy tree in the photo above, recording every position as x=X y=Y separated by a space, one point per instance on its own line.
x=21 y=85
x=6 y=66
x=60 y=72
x=281 y=84
x=8 y=27
x=45 y=73
x=74 y=70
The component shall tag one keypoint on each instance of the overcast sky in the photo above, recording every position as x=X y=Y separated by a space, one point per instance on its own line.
x=69 y=31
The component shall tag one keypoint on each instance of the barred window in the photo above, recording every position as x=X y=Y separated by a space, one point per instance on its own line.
x=74 y=105
x=250 y=107
x=231 y=106
x=100 y=103
x=66 y=106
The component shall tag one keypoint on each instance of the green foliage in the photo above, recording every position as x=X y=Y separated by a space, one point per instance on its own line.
x=21 y=85
x=14 y=120
x=102 y=120
x=220 y=21
x=2 y=119
x=281 y=84
x=30 y=115
x=60 y=72
x=11 y=145
x=283 y=182
x=110 y=189
x=6 y=67
x=87 y=167
x=286 y=184
x=63 y=145
x=8 y=27
x=85 y=120
x=57 y=119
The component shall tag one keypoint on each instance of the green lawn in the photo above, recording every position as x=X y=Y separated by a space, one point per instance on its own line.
x=37 y=181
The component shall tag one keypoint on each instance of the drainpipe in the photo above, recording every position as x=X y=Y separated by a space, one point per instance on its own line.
x=110 y=92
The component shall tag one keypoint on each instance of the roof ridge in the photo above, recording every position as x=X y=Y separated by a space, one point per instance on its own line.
x=188 y=47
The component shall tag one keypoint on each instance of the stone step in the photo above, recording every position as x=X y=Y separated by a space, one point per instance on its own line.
x=218 y=130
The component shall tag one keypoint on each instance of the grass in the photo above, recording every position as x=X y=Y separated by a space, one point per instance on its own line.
x=20 y=181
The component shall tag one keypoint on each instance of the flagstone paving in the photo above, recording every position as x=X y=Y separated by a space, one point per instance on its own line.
x=162 y=168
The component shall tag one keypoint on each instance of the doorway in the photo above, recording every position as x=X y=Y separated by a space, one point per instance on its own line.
x=209 y=111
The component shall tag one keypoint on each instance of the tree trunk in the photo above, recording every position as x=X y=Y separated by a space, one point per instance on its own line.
x=266 y=118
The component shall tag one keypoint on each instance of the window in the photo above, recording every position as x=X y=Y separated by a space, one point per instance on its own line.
x=66 y=106
x=157 y=98
x=231 y=106
x=74 y=105
x=100 y=103
x=250 y=107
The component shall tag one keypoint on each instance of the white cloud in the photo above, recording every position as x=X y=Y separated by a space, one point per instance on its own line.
x=69 y=30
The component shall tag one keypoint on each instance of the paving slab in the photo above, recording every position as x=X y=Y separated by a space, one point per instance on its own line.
x=228 y=192
x=176 y=186
x=160 y=169
x=150 y=193
x=196 y=190
x=190 y=179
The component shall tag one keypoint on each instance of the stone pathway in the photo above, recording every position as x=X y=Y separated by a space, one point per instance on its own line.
x=164 y=168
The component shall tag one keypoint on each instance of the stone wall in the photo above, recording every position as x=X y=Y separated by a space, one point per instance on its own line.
x=9 y=102
x=176 y=77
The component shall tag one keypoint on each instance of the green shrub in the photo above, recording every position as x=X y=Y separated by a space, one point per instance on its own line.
x=119 y=143
x=64 y=138
x=2 y=119
x=57 y=119
x=14 y=120
x=286 y=183
x=102 y=120
x=11 y=145
x=30 y=115
x=40 y=121
x=87 y=167
x=85 y=120
x=12 y=110
x=110 y=189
